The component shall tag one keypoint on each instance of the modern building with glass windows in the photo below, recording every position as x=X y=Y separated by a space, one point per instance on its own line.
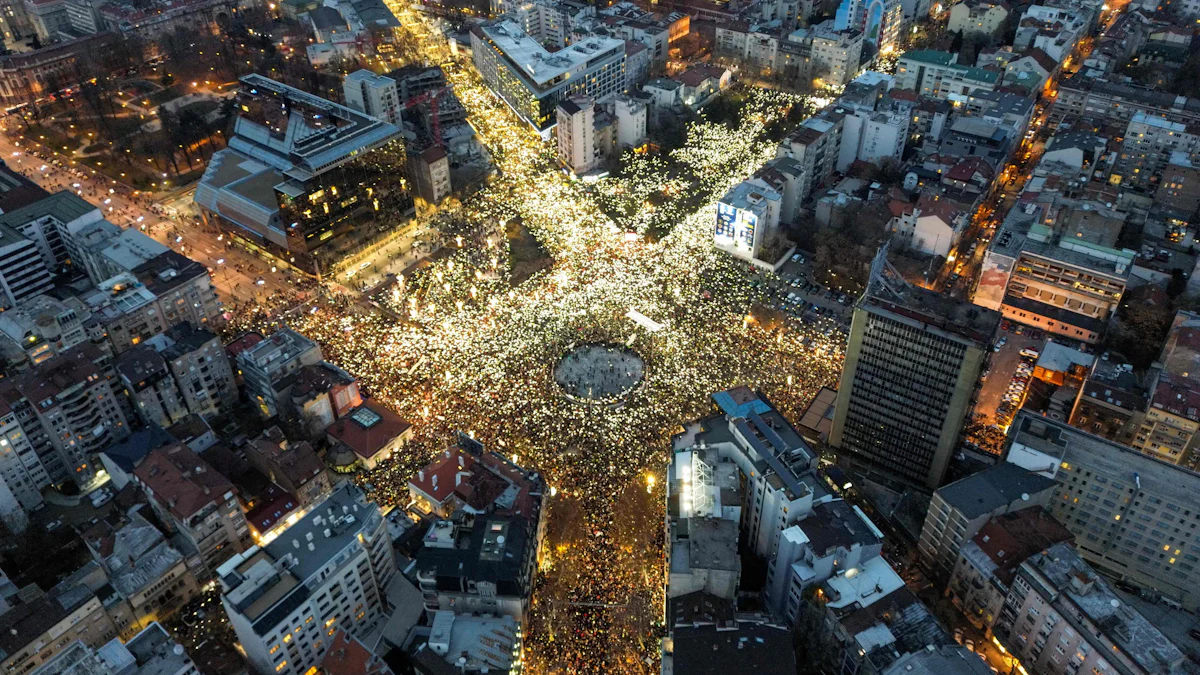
x=533 y=81
x=911 y=374
x=305 y=177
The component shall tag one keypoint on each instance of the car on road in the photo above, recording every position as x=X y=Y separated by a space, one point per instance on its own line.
x=54 y=525
x=1000 y=344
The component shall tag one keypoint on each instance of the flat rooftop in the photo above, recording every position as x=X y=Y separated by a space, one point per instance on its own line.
x=536 y=62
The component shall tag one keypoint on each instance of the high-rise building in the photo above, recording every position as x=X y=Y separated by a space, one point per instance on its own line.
x=69 y=410
x=534 y=81
x=912 y=369
x=329 y=571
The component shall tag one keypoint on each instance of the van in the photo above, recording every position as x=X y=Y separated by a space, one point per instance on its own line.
x=1030 y=353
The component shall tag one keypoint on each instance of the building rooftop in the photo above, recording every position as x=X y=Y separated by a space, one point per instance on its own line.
x=1136 y=637
x=183 y=483
x=837 y=524
x=368 y=429
x=64 y=206
x=860 y=587
x=485 y=642
x=937 y=311
x=539 y=65
x=949 y=660
x=348 y=656
x=709 y=638
x=993 y=488
x=1006 y=541
x=26 y=621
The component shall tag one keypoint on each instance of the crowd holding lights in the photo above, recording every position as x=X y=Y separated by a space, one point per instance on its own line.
x=456 y=347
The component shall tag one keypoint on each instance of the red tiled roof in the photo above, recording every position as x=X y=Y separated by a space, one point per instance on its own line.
x=1010 y=539
x=181 y=481
x=967 y=168
x=242 y=343
x=1043 y=59
x=946 y=209
x=367 y=441
x=697 y=74
x=348 y=656
x=274 y=504
x=475 y=482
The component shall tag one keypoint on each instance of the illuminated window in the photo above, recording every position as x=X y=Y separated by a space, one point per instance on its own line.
x=280 y=666
x=274 y=648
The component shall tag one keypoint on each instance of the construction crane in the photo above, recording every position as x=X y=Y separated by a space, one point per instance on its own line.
x=430 y=97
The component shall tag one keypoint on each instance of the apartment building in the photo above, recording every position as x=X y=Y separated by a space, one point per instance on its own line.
x=1170 y=424
x=70 y=412
x=534 y=81
x=375 y=95
x=987 y=564
x=1060 y=615
x=875 y=127
x=196 y=502
x=481 y=557
x=1118 y=102
x=939 y=75
x=910 y=377
x=815 y=145
x=42 y=327
x=326 y=573
x=23 y=271
x=1131 y=514
x=977 y=16
x=295 y=467
x=776 y=464
x=1148 y=145
x=266 y=364
x=21 y=468
x=150 y=652
x=747 y=218
x=42 y=625
x=704 y=512
x=1113 y=400
x=430 y=171
x=575 y=133
x=960 y=509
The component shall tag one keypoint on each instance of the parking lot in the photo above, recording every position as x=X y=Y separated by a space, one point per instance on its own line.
x=797 y=295
x=1002 y=369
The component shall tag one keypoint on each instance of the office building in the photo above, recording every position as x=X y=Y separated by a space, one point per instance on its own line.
x=482 y=556
x=747 y=218
x=375 y=95
x=304 y=177
x=1059 y=614
x=938 y=75
x=268 y=363
x=1130 y=513
x=987 y=564
x=1054 y=265
x=196 y=502
x=326 y=573
x=151 y=652
x=960 y=509
x=911 y=372
x=534 y=81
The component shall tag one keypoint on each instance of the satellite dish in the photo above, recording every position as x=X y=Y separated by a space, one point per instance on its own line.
x=1024 y=496
x=500 y=539
x=178 y=649
x=1115 y=603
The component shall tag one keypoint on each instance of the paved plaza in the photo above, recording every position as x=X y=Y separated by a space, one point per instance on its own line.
x=599 y=373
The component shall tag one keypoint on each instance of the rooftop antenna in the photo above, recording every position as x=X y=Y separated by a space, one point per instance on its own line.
x=885 y=279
